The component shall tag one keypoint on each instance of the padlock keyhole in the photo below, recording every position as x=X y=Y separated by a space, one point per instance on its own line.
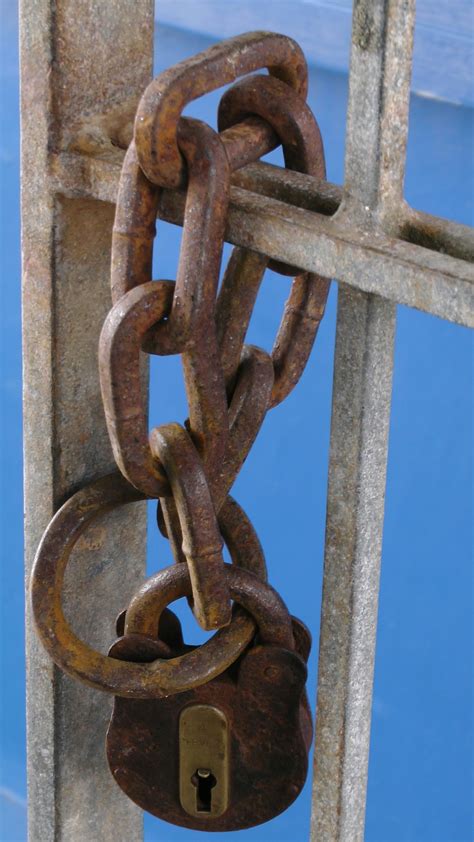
x=204 y=781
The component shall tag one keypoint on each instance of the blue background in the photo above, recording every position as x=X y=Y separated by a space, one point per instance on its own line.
x=421 y=755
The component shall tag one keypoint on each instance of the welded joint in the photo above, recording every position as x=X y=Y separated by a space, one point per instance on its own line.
x=106 y=135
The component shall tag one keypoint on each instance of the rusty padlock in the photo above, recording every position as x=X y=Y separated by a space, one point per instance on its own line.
x=231 y=753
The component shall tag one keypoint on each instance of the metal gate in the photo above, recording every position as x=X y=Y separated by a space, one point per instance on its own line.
x=84 y=65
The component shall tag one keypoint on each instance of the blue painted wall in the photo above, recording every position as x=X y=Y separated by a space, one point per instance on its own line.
x=444 y=34
x=421 y=757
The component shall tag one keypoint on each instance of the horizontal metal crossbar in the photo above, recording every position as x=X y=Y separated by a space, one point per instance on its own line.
x=293 y=218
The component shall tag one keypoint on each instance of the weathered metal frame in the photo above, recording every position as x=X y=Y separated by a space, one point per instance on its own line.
x=364 y=234
x=78 y=59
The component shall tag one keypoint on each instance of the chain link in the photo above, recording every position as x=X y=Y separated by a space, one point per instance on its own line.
x=230 y=385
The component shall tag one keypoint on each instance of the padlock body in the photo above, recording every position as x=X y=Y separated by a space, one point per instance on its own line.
x=255 y=755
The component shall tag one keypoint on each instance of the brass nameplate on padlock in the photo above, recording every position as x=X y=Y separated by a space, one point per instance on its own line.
x=203 y=761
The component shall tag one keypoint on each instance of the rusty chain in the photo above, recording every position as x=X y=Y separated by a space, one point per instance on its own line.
x=230 y=386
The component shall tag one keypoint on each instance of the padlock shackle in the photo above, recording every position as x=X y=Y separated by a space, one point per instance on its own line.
x=258 y=598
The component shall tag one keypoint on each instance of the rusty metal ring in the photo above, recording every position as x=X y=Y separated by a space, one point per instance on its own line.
x=249 y=402
x=166 y=96
x=78 y=659
x=302 y=315
x=241 y=538
x=201 y=540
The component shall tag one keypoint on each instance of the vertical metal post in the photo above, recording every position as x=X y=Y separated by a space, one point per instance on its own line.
x=79 y=58
x=379 y=86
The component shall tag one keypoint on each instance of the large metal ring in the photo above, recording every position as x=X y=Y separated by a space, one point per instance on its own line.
x=124 y=678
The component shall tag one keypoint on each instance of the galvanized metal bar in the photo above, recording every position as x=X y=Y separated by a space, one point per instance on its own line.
x=377 y=116
x=362 y=390
x=78 y=59
x=304 y=191
x=412 y=273
x=382 y=38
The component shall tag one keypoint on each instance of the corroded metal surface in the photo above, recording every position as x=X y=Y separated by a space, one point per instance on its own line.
x=129 y=679
x=162 y=104
x=183 y=324
x=229 y=386
x=303 y=151
x=191 y=468
x=167 y=318
x=260 y=600
x=262 y=702
x=201 y=539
